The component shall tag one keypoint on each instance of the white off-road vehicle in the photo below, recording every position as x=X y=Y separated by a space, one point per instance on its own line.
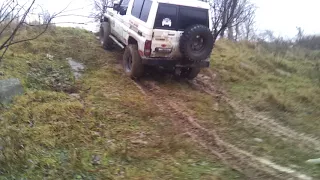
x=166 y=33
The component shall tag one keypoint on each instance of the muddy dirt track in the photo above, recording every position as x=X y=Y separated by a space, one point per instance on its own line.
x=251 y=166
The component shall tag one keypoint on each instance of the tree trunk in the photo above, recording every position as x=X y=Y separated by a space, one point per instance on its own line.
x=230 y=32
x=247 y=31
x=224 y=17
x=237 y=32
x=222 y=32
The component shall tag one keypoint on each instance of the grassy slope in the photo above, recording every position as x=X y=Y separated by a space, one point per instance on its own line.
x=110 y=132
x=47 y=132
x=286 y=86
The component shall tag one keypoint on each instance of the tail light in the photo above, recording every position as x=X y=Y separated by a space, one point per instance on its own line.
x=147 y=48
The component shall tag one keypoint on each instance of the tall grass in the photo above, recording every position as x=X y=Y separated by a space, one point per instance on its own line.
x=280 y=79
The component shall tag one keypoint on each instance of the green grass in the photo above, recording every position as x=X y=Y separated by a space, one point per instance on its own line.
x=251 y=74
x=285 y=86
x=213 y=113
x=111 y=132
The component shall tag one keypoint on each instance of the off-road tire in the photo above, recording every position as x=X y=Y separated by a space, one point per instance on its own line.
x=105 y=32
x=187 y=38
x=132 y=63
x=190 y=73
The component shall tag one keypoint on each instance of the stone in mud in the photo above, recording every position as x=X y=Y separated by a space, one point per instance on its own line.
x=283 y=73
x=313 y=161
x=258 y=140
x=9 y=88
x=76 y=67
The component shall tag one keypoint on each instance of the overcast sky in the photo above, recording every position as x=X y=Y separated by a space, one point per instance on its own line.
x=283 y=16
x=280 y=16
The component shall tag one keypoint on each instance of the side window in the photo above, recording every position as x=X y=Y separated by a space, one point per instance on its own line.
x=145 y=10
x=125 y=3
x=136 y=9
x=124 y=6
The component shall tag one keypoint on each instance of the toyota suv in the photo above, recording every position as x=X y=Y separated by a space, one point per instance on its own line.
x=173 y=34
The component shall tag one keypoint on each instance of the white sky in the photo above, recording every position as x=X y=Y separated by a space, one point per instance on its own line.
x=283 y=16
x=280 y=16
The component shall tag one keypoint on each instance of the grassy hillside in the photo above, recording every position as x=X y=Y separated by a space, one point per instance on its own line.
x=281 y=81
x=103 y=126
x=100 y=127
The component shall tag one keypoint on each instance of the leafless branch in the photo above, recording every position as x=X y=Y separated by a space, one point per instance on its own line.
x=13 y=16
x=227 y=14
x=100 y=8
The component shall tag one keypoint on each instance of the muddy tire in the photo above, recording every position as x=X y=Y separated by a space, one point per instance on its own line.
x=105 y=32
x=132 y=63
x=189 y=73
x=196 y=43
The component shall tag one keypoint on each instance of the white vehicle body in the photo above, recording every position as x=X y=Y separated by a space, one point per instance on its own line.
x=127 y=28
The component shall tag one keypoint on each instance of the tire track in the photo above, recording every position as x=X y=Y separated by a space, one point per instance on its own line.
x=253 y=167
x=259 y=120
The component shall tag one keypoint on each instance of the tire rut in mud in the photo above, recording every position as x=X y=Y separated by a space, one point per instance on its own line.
x=258 y=120
x=244 y=162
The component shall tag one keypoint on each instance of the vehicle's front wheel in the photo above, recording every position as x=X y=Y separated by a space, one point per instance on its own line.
x=189 y=73
x=105 y=32
x=132 y=62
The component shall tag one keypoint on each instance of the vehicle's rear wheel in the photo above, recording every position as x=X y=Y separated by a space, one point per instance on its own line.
x=132 y=62
x=190 y=73
x=105 y=32
x=196 y=43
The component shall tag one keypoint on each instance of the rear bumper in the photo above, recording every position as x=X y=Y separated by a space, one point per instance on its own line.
x=174 y=63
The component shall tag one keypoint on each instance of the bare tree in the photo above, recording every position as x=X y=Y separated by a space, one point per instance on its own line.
x=249 y=23
x=230 y=14
x=300 y=34
x=267 y=36
x=45 y=17
x=100 y=8
x=223 y=12
x=13 y=16
x=227 y=14
x=244 y=16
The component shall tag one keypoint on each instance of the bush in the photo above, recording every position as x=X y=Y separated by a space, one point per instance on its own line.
x=310 y=42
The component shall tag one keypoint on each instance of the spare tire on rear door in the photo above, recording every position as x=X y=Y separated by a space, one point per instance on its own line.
x=196 y=43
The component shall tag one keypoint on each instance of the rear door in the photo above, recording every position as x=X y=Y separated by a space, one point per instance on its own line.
x=170 y=23
x=165 y=34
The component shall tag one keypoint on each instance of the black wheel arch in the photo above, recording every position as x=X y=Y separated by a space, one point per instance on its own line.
x=104 y=19
x=132 y=40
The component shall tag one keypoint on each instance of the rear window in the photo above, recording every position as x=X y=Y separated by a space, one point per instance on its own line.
x=174 y=17
x=166 y=12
